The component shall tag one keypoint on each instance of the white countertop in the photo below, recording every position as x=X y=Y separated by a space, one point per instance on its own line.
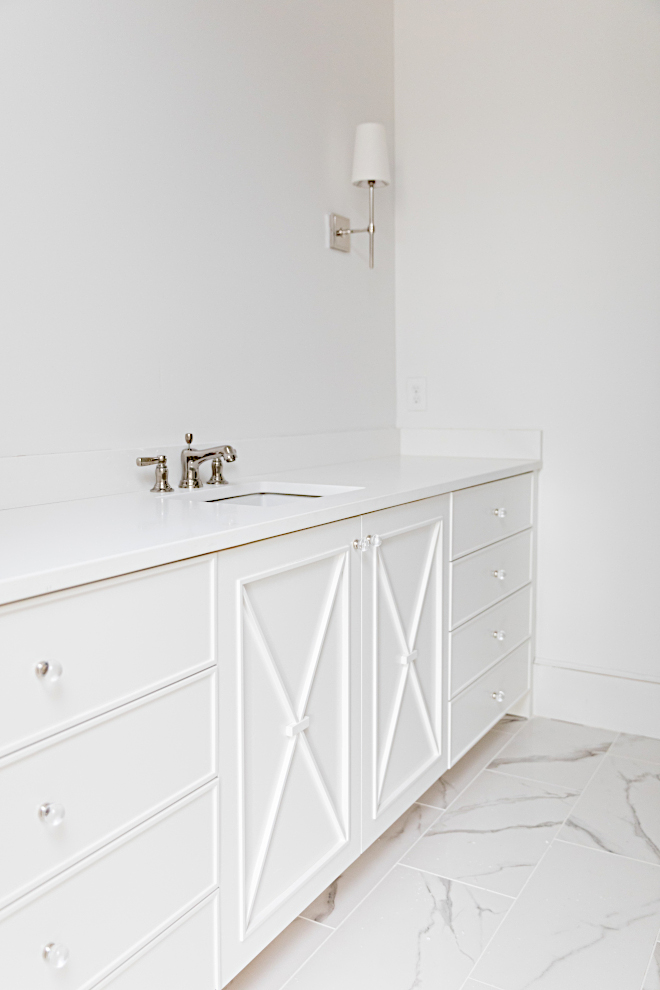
x=49 y=547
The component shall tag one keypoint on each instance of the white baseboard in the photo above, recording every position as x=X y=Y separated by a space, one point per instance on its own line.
x=608 y=701
x=89 y=474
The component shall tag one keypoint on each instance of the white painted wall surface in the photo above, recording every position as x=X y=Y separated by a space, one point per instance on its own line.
x=166 y=166
x=528 y=287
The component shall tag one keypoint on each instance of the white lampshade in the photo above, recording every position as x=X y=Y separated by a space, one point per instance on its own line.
x=370 y=162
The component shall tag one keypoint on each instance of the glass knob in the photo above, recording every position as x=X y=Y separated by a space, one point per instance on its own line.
x=52 y=814
x=375 y=541
x=48 y=670
x=55 y=954
x=500 y=575
x=498 y=696
x=500 y=513
x=499 y=634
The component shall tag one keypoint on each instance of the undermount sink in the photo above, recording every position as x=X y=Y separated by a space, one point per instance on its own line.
x=264 y=499
x=263 y=495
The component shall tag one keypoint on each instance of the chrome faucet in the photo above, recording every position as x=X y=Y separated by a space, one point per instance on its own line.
x=191 y=459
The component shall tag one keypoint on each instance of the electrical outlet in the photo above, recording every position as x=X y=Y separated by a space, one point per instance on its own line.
x=416 y=392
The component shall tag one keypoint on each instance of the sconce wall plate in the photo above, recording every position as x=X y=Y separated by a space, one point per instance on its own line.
x=340 y=242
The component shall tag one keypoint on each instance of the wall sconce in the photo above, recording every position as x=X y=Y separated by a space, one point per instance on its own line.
x=370 y=169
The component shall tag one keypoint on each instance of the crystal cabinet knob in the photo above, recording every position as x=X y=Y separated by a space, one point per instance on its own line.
x=500 y=575
x=48 y=670
x=51 y=814
x=366 y=542
x=500 y=513
x=55 y=954
x=498 y=696
x=499 y=634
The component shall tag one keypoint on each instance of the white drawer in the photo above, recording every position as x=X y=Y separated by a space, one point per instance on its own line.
x=114 y=904
x=482 y=704
x=485 y=577
x=108 y=776
x=482 y=641
x=185 y=958
x=115 y=640
x=486 y=513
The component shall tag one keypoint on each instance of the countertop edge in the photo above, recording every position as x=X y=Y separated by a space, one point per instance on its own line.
x=25 y=586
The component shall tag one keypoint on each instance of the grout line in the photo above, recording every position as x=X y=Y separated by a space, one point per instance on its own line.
x=466 y=883
x=479 y=772
x=313 y=921
x=646 y=971
x=305 y=961
x=490 y=986
x=633 y=759
x=534 y=780
x=606 y=852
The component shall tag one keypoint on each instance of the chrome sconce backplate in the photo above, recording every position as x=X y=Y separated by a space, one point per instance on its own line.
x=340 y=242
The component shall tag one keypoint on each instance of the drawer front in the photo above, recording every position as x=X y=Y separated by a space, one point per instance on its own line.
x=186 y=957
x=489 y=575
x=107 y=911
x=482 y=704
x=486 y=513
x=117 y=771
x=114 y=640
x=487 y=638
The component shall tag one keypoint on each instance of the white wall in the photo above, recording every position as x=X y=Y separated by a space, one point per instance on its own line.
x=528 y=285
x=165 y=170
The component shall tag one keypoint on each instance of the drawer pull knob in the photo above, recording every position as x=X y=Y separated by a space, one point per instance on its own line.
x=55 y=954
x=52 y=814
x=499 y=634
x=500 y=513
x=500 y=575
x=48 y=670
x=498 y=696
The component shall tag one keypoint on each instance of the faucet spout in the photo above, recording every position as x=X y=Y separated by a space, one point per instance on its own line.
x=191 y=458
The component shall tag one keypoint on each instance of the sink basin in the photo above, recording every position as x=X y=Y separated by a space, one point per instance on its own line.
x=264 y=499
x=263 y=495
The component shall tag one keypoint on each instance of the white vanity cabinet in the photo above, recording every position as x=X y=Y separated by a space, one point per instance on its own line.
x=403 y=584
x=191 y=753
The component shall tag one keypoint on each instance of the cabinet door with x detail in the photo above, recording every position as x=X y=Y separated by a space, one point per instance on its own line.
x=289 y=674
x=404 y=688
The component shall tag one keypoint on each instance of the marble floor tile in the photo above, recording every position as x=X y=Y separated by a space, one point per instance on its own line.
x=413 y=931
x=637 y=748
x=339 y=899
x=495 y=832
x=619 y=810
x=475 y=985
x=449 y=786
x=652 y=979
x=273 y=967
x=585 y=920
x=555 y=752
x=510 y=724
